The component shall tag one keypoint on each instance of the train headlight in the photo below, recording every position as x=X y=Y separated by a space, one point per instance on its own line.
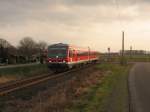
x=64 y=61
x=50 y=61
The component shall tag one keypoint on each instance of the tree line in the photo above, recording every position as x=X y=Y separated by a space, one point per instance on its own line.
x=27 y=51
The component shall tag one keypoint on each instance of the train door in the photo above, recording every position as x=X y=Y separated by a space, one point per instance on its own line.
x=72 y=55
x=89 y=54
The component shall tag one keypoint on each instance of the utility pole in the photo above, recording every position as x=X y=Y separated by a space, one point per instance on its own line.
x=122 y=44
x=109 y=54
x=130 y=51
x=123 y=60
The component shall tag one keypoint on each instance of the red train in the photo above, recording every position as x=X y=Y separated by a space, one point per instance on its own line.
x=65 y=56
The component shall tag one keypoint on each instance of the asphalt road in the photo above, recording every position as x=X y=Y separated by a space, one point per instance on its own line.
x=139 y=86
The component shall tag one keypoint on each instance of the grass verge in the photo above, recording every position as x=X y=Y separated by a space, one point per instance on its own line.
x=24 y=71
x=109 y=95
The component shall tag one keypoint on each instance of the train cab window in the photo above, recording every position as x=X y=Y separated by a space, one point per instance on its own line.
x=57 y=52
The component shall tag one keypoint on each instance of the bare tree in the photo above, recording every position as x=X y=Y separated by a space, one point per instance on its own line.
x=42 y=45
x=27 y=47
x=3 y=50
x=6 y=51
x=4 y=43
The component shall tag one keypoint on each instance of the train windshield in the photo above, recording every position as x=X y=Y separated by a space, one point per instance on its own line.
x=57 y=52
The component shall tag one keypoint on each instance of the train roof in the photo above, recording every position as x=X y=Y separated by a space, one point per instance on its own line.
x=67 y=45
x=70 y=46
x=59 y=45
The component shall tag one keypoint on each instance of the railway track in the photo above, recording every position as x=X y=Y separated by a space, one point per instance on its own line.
x=16 y=85
x=20 y=84
x=10 y=87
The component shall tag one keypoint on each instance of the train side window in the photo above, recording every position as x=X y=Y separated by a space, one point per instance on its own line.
x=82 y=53
x=70 y=53
x=74 y=53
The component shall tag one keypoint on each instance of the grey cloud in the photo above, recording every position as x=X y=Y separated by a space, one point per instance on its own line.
x=13 y=9
x=48 y=18
x=101 y=2
x=19 y=11
x=87 y=2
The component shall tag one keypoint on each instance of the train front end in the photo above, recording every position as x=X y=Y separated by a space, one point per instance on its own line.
x=58 y=57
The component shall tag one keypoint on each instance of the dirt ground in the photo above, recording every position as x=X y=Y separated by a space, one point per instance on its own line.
x=53 y=98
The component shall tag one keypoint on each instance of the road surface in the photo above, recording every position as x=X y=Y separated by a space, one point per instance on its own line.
x=139 y=86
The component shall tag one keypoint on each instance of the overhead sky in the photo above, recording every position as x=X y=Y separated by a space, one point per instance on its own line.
x=95 y=23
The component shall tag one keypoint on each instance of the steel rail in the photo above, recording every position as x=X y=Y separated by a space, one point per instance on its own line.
x=19 y=84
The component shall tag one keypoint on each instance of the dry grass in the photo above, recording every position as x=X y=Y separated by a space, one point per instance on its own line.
x=60 y=97
x=66 y=94
x=4 y=79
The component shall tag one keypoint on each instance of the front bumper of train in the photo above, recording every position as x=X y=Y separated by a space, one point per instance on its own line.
x=58 y=65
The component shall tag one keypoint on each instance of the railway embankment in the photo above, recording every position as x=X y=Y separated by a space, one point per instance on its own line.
x=109 y=94
x=100 y=88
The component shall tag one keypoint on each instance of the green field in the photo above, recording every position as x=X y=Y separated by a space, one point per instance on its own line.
x=134 y=58
x=142 y=58
x=109 y=95
x=24 y=71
